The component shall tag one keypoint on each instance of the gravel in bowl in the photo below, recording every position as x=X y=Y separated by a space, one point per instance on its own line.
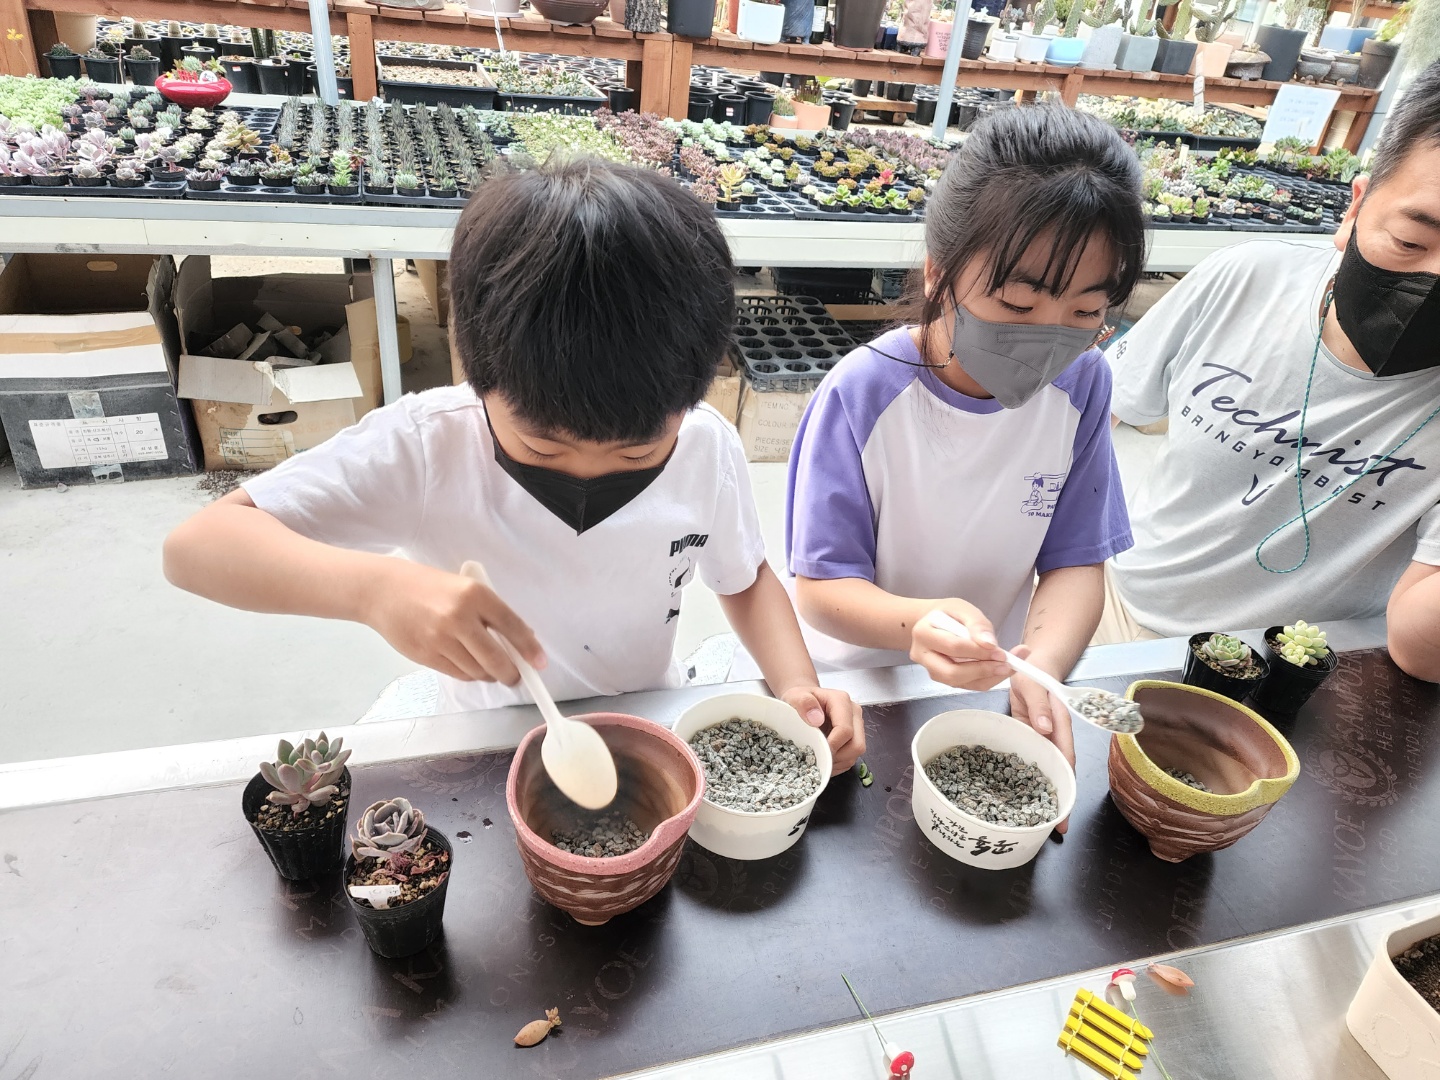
x=600 y=836
x=1186 y=778
x=750 y=768
x=1002 y=789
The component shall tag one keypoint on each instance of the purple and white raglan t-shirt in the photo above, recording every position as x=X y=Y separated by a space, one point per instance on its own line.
x=899 y=479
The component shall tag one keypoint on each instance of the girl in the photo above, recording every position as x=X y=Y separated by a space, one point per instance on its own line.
x=950 y=462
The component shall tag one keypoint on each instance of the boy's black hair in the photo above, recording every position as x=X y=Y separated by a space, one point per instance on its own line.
x=596 y=299
x=1413 y=122
x=1023 y=174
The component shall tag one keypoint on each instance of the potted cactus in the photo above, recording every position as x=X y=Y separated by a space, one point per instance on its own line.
x=1211 y=54
x=1036 y=42
x=296 y=805
x=1174 y=54
x=1139 y=44
x=1223 y=663
x=1106 y=30
x=1300 y=660
x=64 y=62
x=396 y=877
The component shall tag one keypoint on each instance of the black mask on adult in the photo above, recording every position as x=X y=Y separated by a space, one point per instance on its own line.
x=1392 y=319
x=580 y=504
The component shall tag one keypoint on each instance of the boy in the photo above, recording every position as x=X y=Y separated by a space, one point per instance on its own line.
x=590 y=306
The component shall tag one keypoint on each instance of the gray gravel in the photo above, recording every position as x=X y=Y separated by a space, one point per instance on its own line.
x=1002 y=789
x=600 y=836
x=1186 y=778
x=1111 y=712
x=750 y=768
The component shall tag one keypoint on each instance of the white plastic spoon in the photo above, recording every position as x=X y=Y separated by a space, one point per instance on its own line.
x=1112 y=713
x=573 y=753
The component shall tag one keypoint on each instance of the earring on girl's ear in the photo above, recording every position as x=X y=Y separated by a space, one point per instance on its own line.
x=1104 y=334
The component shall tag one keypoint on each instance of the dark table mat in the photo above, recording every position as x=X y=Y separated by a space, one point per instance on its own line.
x=147 y=934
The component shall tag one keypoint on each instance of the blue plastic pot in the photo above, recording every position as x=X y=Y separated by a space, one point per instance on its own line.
x=1066 y=51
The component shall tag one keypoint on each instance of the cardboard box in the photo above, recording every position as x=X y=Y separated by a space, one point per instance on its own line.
x=724 y=392
x=769 y=420
x=434 y=277
x=88 y=353
x=252 y=415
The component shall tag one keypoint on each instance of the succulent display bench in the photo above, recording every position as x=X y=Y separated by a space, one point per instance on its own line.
x=223 y=966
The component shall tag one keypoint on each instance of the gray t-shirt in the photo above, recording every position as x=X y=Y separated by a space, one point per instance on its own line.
x=1225 y=356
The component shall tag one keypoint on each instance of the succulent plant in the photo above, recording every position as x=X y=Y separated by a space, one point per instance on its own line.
x=388 y=828
x=1302 y=644
x=1225 y=652
x=304 y=776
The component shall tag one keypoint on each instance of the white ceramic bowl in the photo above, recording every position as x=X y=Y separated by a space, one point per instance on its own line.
x=735 y=833
x=963 y=836
x=1396 y=1026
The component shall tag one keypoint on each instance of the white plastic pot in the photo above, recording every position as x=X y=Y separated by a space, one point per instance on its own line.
x=962 y=836
x=761 y=23
x=736 y=834
x=1389 y=1018
x=1032 y=48
x=1003 y=47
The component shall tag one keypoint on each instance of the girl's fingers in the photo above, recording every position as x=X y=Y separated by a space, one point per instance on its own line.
x=485 y=653
x=944 y=643
x=967 y=674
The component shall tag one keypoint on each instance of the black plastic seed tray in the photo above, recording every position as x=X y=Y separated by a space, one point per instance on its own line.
x=424 y=93
x=812 y=212
x=230 y=193
x=788 y=342
x=148 y=190
x=767 y=204
x=433 y=202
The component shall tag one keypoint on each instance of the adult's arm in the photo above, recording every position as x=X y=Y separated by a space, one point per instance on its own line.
x=1413 y=615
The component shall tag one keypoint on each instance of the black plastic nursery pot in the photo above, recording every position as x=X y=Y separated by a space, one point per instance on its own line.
x=170 y=50
x=623 y=99
x=731 y=108
x=405 y=930
x=759 y=104
x=699 y=109
x=842 y=111
x=63 y=67
x=241 y=74
x=103 y=69
x=976 y=31
x=199 y=52
x=143 y=72
x=1283 y=47
x=925 y=111
x=1287 y=686
x=862 y=87
x=1174 y=57
x=297 y=76
x=305 y=854
x=691 y=18
x=1198 y=673
x=273 y=77
x=857 y=22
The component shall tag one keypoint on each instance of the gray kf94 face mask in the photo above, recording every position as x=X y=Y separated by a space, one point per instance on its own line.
x=1015 y=361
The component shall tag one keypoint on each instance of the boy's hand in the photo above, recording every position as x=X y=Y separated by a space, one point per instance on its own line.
x=444 y=621
x=976 y=663
x=834 y=713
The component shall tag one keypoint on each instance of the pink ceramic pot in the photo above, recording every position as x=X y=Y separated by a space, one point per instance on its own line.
x=661 y=785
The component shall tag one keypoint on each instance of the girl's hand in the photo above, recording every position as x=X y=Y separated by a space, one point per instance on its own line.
x=834 y=713
x=973 y=663
x=444 y=621
x=1042 y=710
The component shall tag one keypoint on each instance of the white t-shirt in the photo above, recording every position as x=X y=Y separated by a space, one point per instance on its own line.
x=1225 y=356
x=898 y=479
x=418 y=478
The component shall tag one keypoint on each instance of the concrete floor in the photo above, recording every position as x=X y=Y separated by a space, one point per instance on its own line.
x=98 y=652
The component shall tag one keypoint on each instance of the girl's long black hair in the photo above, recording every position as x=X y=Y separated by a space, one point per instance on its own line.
x=1031 y=172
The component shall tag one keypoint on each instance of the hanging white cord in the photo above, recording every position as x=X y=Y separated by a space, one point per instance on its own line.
x=500 y=37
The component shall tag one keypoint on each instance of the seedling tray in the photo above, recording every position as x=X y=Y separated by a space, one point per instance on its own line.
x=769 y=205
x=788 y=342
x=228 y=193
x=418 y=93
x=433 y=202
x=148 y=190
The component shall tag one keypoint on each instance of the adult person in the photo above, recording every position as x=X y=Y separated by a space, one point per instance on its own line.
x=1301 y=472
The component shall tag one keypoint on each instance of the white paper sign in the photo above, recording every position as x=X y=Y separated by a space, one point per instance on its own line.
x=379 y=896
x=1300 y=112
x=1200 y=92
x=101 y=440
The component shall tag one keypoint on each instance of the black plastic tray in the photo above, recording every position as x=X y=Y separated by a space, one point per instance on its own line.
x=570 y=106
x=148 y=190
x=228 y=193
x=418 y=93
x=429 y=201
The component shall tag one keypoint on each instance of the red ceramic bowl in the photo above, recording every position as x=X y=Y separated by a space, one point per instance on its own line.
x=661 y=785
x=193 y=95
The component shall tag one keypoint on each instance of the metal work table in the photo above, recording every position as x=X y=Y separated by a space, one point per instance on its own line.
x=144 y=931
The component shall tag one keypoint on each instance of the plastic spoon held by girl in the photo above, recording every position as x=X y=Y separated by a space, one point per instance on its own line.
x=955 y=459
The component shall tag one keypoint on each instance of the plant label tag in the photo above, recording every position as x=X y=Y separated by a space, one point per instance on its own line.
x=1184 y=154
x=379 y=896
x=1200 y=93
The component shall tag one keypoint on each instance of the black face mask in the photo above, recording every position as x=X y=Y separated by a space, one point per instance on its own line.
x=1392 y=319
x=580 y=504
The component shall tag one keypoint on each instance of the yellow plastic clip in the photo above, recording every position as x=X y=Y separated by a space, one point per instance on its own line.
x=1077 y=1026
x=1126 y=1037
x=1105 y=1009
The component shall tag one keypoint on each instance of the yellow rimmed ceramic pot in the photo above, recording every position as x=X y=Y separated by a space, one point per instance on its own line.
x=1232 y=750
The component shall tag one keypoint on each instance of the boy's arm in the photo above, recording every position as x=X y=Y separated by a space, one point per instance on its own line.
x=765 y=623
x=238 y=555
x=1413 y=622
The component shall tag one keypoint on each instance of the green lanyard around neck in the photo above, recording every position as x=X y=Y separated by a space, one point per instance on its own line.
x=1304 y=516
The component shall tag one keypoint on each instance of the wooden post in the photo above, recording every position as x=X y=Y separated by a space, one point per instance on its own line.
x=633 y=69
x=1070 y=91
x=655 y=75
x=1358 y=123
x=680 y=57
x=17 y=46
x=361 y=30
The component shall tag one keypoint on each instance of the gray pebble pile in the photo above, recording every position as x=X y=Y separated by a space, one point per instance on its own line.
x=1186 y=778
x=601 y=837
x=750 y=768
x=1002 y=789
x=1111 y=712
